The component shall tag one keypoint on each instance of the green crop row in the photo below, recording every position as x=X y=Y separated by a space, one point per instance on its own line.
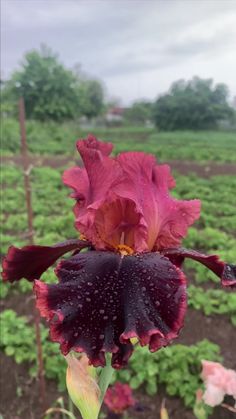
x=183 y=363
x=213 y=301
x=18 y=340
x=52 y=138
x=176 y=367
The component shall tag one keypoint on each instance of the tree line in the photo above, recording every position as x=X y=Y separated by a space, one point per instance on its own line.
x=53 y=92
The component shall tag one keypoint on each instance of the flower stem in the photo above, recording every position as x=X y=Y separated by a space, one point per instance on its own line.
x=105 y=378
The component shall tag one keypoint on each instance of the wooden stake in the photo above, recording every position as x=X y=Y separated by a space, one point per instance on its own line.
x=27 y=168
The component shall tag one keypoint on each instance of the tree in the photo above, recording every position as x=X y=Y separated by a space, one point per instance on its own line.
x=47 y=87
x=139 y=113
x=194 y=104
x=91 y=97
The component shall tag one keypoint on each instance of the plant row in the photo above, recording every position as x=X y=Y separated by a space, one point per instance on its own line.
x=183 y=363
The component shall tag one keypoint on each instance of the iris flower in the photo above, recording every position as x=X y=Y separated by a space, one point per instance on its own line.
x=128 y=280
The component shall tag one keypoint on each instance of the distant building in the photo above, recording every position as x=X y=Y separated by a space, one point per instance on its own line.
x=115 y=115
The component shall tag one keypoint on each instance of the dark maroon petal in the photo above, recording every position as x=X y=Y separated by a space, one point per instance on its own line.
x=31 y=261
x=225 y=271
x=104 y=299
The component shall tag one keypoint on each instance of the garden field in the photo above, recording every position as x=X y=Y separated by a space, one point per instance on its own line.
x=204 y=165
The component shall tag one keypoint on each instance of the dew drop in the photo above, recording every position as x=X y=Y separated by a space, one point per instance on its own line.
x=101 y=311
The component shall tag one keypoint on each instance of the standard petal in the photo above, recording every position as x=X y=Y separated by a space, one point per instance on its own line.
x=77 y=179
x=147 y=219
x=175 y=219
x=103 y=300
x=31 y=261
x=92 y=185
x=148 y=184
x=93 y=144
x=225 y=271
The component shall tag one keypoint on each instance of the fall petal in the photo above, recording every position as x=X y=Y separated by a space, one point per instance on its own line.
x=225 y=271
x=31 y=261
x=103 y=300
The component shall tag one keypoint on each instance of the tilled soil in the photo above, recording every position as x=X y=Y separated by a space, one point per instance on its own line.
x=183 y=167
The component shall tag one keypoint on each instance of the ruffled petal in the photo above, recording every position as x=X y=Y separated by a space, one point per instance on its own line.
x=92 y=145
x=225 y=271
x=149 y=218
x=148 y=185
x=77 y=179
x=103 y=300
x=175 y=219
x=117 y=222
x=31 y=261
x=92 y=185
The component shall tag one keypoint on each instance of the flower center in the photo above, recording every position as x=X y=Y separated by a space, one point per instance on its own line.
x=82 y=237
x=124 y=250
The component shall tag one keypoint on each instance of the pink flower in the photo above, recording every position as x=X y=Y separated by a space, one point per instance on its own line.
x=126 y=200
x=219 y=381
x=119 y=397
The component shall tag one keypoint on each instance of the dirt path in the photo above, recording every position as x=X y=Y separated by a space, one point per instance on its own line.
x=184 y=167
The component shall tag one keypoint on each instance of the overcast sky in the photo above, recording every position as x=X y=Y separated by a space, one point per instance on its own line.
x=138 y=48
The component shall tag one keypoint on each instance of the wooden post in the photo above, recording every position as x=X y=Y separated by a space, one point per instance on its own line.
x=26 y=168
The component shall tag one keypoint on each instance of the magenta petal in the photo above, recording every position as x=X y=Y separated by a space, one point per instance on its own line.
x=225 y=271
x=131 y=193
x=31 y=261
x=166 y=219
x=92 y=185
x=93 y=144
x=103 y=300
x=77 y=179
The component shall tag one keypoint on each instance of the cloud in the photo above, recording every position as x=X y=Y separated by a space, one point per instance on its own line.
x=135 y=46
